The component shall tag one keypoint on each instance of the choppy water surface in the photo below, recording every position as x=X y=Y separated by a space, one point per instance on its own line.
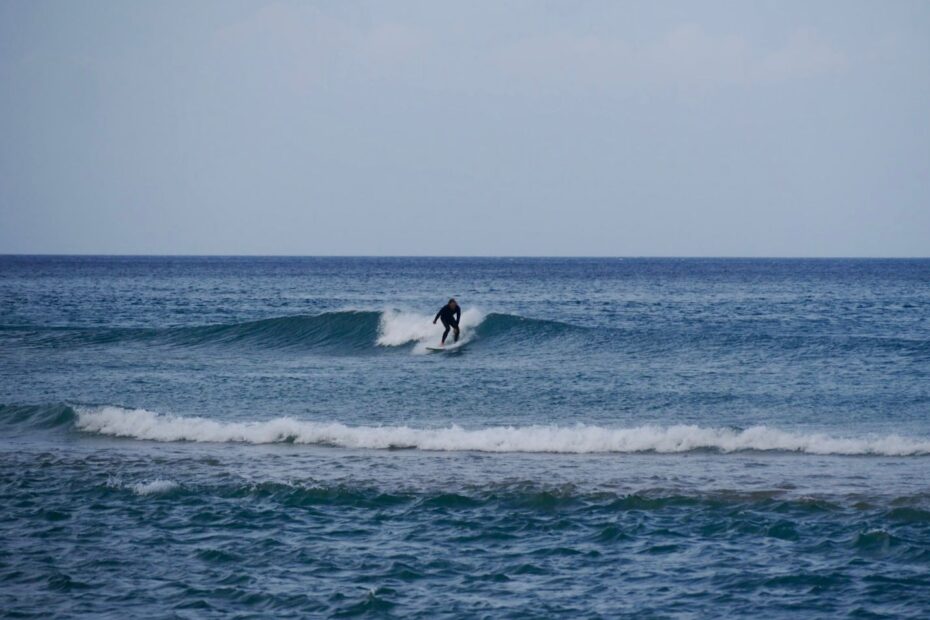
x=200 y=437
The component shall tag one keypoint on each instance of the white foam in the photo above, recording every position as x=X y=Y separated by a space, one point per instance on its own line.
x=399 y=328
x=158 y=485
x=581 y=439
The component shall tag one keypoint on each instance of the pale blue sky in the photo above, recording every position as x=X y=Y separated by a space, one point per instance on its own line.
x=769 y=128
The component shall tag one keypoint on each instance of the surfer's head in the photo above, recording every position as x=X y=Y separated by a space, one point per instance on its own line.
x=453 y=303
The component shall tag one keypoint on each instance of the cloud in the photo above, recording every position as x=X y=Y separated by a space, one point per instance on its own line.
x=805 y=55
x=685 y=56
x=689 y=55
x=308 y=44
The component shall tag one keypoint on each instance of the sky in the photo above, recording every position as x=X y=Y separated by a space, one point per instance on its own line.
x=504 y=128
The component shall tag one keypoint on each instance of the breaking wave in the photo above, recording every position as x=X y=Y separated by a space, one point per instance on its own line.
x=580 y=439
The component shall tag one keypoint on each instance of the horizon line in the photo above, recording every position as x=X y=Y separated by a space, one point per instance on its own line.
x=518 y=256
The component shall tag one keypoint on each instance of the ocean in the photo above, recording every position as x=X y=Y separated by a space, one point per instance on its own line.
x=244 y=437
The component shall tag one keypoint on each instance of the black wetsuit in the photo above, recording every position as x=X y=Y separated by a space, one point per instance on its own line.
x=450 y=320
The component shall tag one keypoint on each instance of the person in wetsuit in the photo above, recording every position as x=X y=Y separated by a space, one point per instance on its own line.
x=450 y=315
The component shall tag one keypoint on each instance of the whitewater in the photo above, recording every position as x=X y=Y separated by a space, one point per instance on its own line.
x=580 y=439
x=397 y=328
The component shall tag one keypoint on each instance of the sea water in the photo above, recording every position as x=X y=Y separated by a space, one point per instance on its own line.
x=254 y=437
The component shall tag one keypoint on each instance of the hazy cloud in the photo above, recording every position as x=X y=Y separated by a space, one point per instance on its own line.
x=308 y=44
x=687 y=55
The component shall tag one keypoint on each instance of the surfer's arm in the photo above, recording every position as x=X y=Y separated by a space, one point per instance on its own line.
x=458 y=313
x=436 y=318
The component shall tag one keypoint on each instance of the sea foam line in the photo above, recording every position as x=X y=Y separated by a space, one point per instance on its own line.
x=580 y=439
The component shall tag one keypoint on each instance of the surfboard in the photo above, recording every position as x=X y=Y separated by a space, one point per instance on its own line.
x=448 y=347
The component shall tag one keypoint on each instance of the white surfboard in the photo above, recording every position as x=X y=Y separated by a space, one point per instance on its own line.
x=448 y=347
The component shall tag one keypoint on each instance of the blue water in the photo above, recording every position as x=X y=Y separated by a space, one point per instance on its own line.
x=254 y=437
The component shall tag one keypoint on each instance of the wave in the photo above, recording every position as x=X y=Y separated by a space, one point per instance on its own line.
x=353 y=332
x=344 y=331
x=580 y=439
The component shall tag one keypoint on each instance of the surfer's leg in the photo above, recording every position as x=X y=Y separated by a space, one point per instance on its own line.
x=446 y=333
x=456 y=328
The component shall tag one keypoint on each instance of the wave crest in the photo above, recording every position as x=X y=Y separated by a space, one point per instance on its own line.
x=347 y=329
x=37 y=416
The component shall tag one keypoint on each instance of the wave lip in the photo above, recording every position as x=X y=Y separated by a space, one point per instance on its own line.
x=37 y=416
x=343 y=330
x=352 y=329
x=581 y=439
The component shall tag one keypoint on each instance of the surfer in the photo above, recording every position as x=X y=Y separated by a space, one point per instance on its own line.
x=450 y=315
